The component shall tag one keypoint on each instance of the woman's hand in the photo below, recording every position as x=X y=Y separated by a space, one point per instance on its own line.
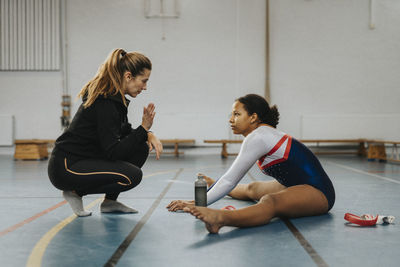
x=148 y=116
x=155 y=143
x=179 y=205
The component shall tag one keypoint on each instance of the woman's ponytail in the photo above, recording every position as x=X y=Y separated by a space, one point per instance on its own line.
x=109 y=78
x=114 y=70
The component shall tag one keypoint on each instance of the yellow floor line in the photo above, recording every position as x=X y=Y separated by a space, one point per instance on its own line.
x=35 y=259
x=157 y=173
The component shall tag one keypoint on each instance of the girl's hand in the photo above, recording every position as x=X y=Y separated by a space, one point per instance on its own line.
x=179 y=205
x=155 y=143
x=148 y=116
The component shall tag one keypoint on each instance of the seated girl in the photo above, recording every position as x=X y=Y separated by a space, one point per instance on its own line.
x=301 y=186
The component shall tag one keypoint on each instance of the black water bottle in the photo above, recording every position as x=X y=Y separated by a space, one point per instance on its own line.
x=200 y=191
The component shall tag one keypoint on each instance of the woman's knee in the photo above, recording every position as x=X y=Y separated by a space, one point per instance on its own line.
x=57 y=175
x=140 y=155
x=135 y=176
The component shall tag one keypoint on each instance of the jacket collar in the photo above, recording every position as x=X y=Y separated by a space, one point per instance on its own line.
x=118 y=98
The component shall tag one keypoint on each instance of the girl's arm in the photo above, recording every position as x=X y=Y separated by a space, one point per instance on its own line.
x=252 y=149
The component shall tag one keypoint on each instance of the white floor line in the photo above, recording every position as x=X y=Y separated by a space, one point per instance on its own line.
x=178 y=182
x=363 y=172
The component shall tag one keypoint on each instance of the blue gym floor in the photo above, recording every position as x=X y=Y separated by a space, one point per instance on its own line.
x=37 y=228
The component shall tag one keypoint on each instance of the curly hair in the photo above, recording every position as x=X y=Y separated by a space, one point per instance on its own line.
x=257 y=104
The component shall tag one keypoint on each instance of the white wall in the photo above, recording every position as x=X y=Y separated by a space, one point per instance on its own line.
x=331 y=75
x=197 y=69
x=326 y=66
x=33 y=98
x=212 y=54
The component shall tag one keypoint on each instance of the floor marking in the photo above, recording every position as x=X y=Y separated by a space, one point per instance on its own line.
x=35 y=259
x=162 y=172
x=131 y=236
x=187 y=169
x=304 y=243
x=363 y=172
x=392 y=172
x=34 y=217
x=206 y=167
x=183 y=182
x=179 y=182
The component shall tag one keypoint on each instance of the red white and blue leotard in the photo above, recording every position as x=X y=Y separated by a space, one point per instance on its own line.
x=279 y=156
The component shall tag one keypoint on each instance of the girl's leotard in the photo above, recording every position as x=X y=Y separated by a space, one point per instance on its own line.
x=279 y=156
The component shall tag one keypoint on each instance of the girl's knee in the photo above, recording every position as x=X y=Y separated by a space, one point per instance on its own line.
x=268 y=199
x=253 y=190
x=269 y=207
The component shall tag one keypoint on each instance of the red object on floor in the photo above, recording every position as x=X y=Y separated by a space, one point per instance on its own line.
x=229 y=207
x=364 y=220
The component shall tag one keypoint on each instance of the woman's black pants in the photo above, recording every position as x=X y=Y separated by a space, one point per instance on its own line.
x=95 y=176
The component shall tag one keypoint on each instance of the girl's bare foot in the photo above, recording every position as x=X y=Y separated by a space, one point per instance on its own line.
x=213 y=219
x=209 y=181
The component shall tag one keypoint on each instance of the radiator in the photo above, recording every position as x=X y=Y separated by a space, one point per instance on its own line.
x=30 y=35
x=6 y=130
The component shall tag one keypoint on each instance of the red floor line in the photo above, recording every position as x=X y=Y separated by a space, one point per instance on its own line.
x=34 y=217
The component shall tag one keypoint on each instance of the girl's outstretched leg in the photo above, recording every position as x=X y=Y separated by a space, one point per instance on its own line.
x=210 y=181
x=252 y=191
x=258 y=214
x=295 y=201
x=239 y=192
